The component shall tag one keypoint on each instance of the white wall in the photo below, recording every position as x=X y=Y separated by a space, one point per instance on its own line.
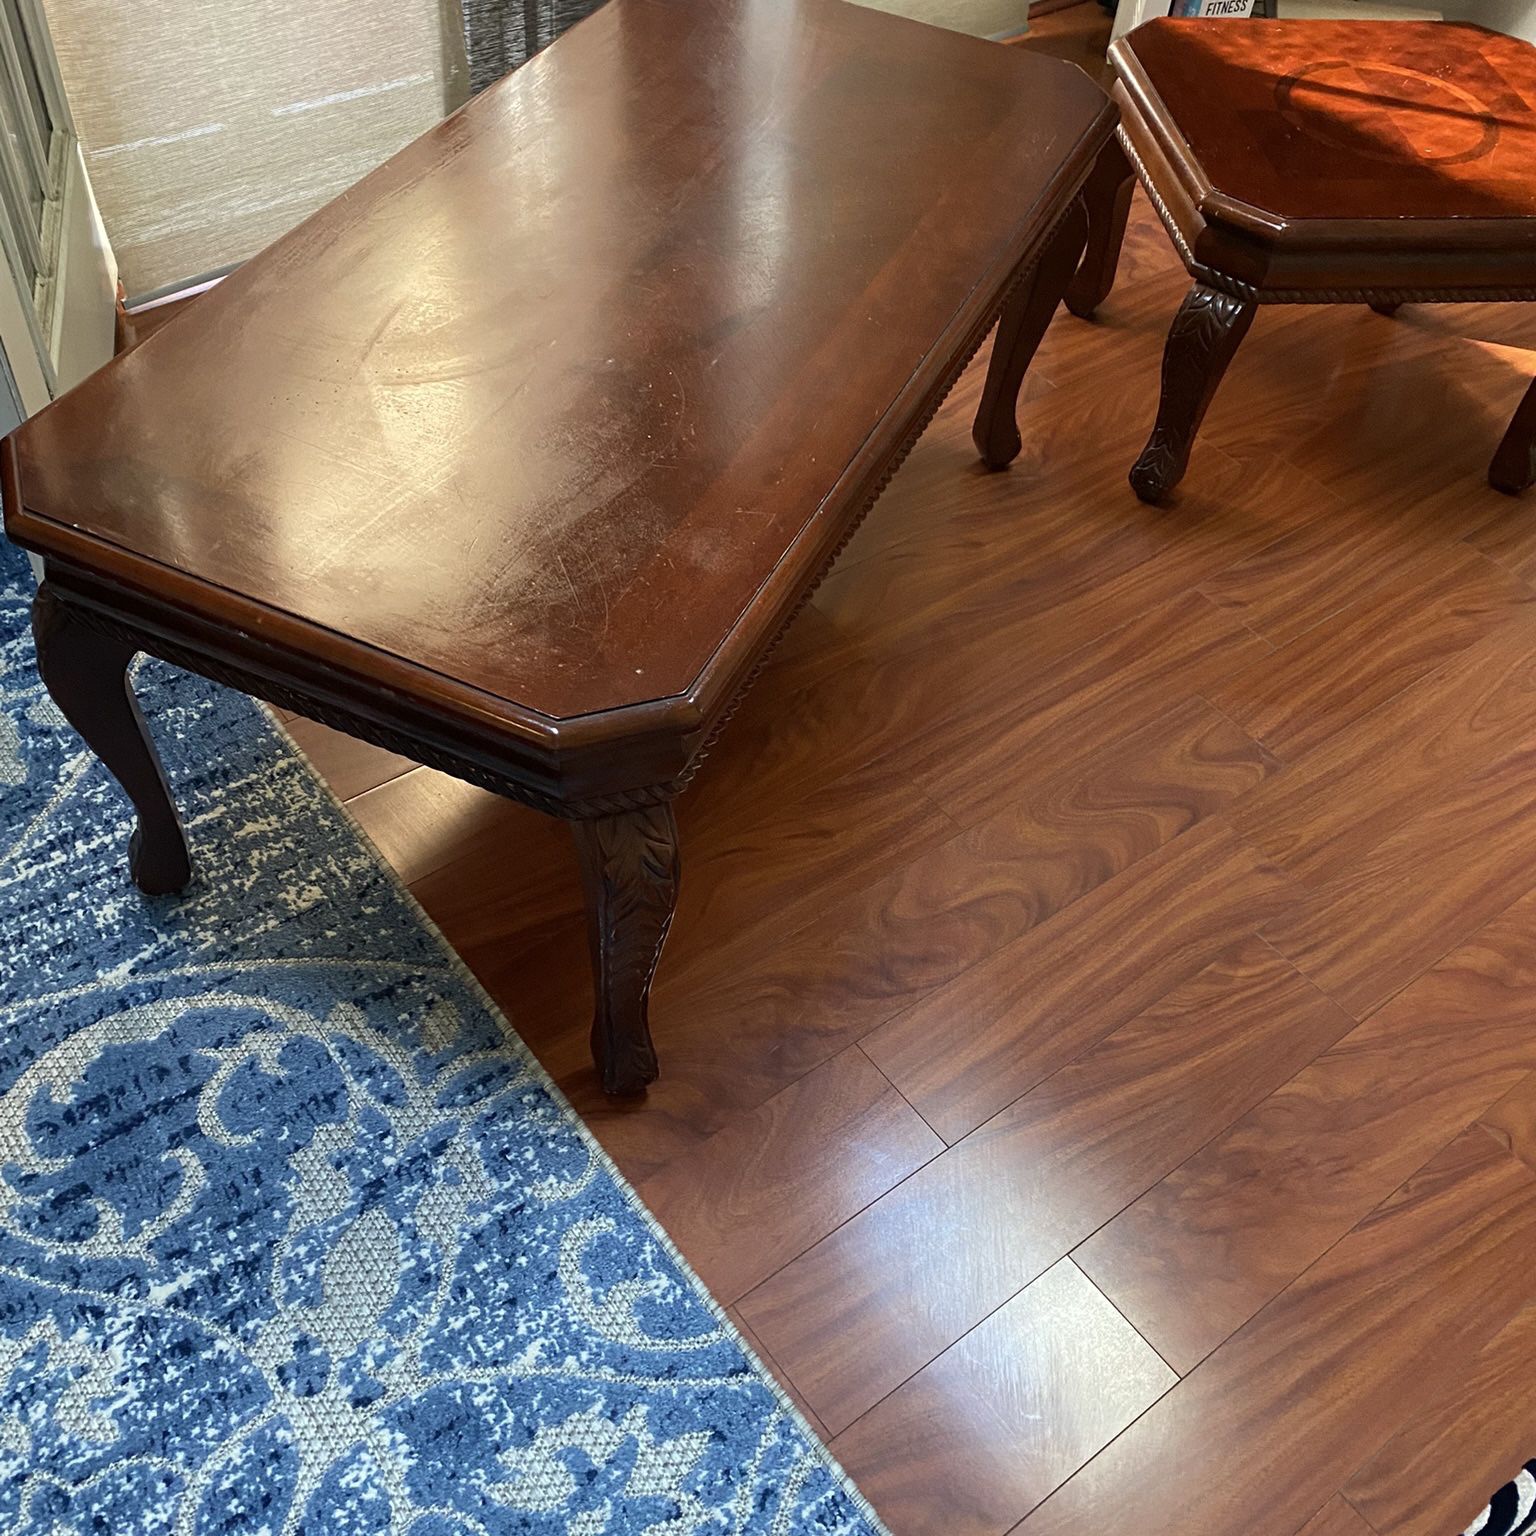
x=1131 y=13
x=1517 y=17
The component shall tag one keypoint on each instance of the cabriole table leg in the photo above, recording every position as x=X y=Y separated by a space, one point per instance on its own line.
x=1108 y=200
x=1202 y=341
x=1019 y=331
x=629 y=870
x=85 y=672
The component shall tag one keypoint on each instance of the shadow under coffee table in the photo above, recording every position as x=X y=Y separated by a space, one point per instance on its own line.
x=518 y=457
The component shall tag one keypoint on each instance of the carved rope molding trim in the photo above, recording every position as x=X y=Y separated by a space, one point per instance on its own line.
x=390 y=738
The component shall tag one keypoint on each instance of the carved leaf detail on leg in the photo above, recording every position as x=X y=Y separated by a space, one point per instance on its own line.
x=1020 y=328
x=1201 y=342
x=630 y=870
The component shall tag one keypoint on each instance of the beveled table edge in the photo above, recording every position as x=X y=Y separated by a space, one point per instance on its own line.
x=1279 y=230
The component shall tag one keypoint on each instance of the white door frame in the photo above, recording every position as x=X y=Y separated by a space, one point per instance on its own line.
x=59 y=327
x=56 y=329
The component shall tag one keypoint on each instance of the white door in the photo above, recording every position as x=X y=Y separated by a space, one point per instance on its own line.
x=58 y=281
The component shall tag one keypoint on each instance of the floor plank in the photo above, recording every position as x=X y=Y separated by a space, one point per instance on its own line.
x=1032 y=1006
x=788 y=865
x=1121 y=683
x=423 y=820
x=1345 y=392
x=1370 y=929
x=790 y=1172
x=1209 y=1245
x=755 y=1344
x=1337 y=1518
x=348 y=765
x=880 y=1297
x=1314 y=572
x=496 y=898
x=1405 y=625
x=1508 y=535
x=1512 y=1121
x=1080 y=574
x=789 y=997
x=1327 y=812
x=1435 y=1475
x=745 y=863
x=1078 y=33
x=980 y=1436
x=1265 y=1431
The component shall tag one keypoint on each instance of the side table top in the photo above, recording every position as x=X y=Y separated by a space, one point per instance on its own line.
x=538 y=412
x=1348 y=120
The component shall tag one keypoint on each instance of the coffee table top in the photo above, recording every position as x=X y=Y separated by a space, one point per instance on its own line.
x=549 y=416
x=1349 y=120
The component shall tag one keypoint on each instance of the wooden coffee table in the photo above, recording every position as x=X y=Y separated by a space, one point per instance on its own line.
x=1309 y=162
x=518 y=457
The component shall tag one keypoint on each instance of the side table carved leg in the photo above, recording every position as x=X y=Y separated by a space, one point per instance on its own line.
x=1201 y=342
x=86 y=673
x=1108 y=193
x=1019 y=329
x=629 y=870
x=1514 y=465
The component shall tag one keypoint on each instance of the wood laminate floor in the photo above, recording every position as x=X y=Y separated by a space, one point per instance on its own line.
x=1099 y=1031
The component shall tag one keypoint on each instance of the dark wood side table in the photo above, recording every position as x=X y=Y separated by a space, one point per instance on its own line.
x=519 y=457
x=1308 y=162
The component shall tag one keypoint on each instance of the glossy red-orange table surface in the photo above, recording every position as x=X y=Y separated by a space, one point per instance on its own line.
x=1350 y=120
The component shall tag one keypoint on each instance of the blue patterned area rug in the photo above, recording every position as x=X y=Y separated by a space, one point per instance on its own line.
x=295 y=1237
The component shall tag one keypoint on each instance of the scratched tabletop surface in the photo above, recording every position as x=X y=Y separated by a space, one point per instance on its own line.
x=541 y=402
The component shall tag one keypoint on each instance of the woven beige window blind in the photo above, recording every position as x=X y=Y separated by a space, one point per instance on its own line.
x=212 y=126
